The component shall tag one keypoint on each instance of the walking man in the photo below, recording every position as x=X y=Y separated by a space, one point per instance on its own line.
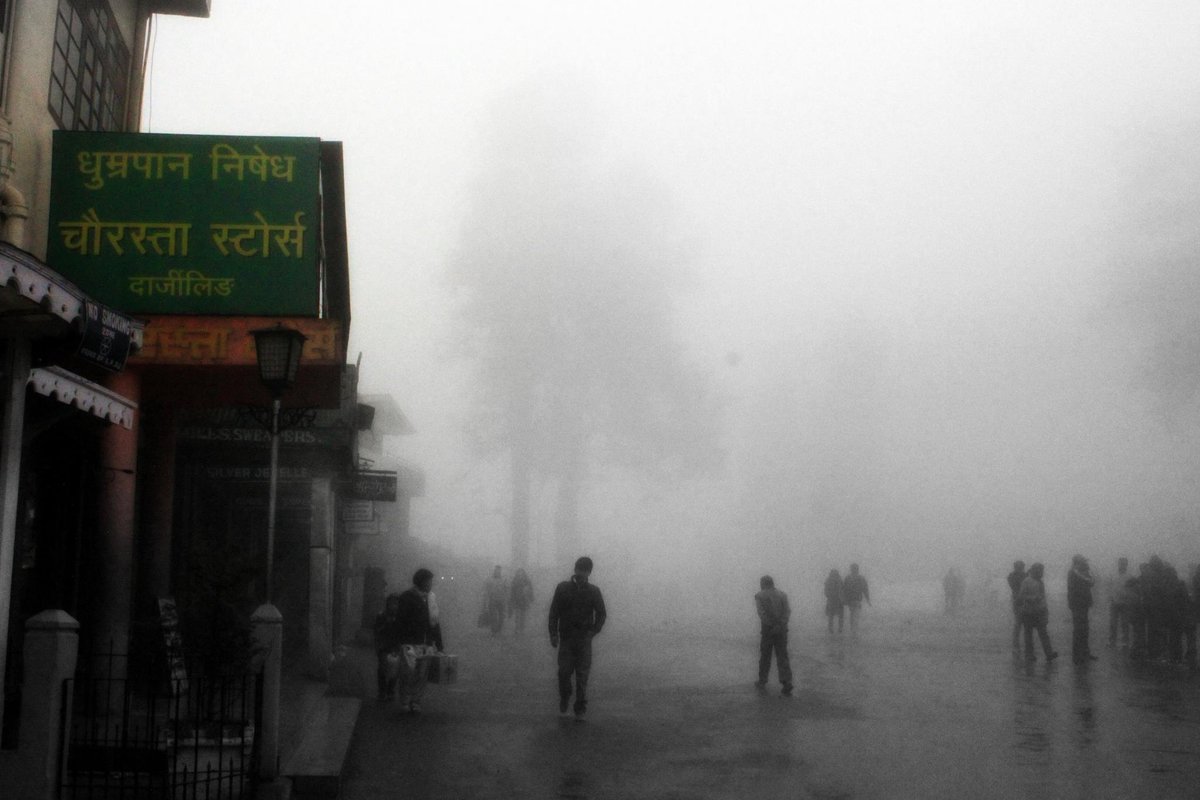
x=834 y=605
x=854 y=589
x=576 y=615
x=1015 y=579
x=773 y=613
x=1079 y=600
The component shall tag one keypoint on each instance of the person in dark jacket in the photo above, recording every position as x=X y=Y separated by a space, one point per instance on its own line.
x=834 y=607
x=1193 y=618
x=577 y=614
x=1179 y=612
x=1031 y=603
x=1015 y=579
x=854 y=591
x=416 y=635
x=773 y=614
x=1136 y=607
x=1079 y=600
x=1156 y=604
x=387 y=642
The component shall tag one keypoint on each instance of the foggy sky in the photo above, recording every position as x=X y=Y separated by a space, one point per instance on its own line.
x=944 y=263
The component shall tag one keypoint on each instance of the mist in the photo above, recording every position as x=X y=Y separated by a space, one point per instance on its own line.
x=911 y=286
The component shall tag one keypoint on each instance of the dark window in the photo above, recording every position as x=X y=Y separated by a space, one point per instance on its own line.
x=5 y=36
x=90 y=74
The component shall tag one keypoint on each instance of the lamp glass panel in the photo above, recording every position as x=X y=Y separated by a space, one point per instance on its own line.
x=275 y=356
x=293 y=362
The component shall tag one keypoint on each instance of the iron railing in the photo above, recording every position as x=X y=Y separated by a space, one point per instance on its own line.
x=181 y=738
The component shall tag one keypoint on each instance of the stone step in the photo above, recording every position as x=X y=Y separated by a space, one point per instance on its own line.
x=315 y=765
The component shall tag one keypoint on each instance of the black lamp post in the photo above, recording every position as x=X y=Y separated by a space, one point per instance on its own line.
x=278 y=352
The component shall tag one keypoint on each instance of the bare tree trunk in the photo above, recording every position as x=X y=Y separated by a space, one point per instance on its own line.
x=566 y=515
x=519 y=519
x=522 y=437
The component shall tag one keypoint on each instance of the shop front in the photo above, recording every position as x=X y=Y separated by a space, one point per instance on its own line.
x=57 y=344
x=210 y=239
x=221 y=526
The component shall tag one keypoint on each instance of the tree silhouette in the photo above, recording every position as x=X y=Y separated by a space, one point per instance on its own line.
x=566 y=274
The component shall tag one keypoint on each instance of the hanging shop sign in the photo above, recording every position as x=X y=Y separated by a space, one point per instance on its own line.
x=175 y=224
x=372 y=485
x=106 y=337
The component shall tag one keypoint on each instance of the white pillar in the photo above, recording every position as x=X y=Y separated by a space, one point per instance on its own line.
x=272 y=500
x=51 y=650
x=320 y=579
x=267 y=623
x=16 y=368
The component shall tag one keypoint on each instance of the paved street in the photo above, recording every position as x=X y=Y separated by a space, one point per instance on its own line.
x=916 y=707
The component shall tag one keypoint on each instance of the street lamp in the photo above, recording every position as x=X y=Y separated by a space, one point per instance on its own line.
x=278 y=352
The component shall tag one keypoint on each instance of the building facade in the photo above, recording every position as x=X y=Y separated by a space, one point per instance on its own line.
x=64 y=65
x=97 y=384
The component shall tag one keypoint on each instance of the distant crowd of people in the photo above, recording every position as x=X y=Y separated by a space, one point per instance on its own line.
x=1153 y=614
x=502 y=598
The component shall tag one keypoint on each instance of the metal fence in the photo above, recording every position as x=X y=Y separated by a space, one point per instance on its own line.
x=182 y=738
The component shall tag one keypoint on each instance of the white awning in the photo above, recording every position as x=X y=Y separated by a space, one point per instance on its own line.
x=31 y=286
x=67 y=387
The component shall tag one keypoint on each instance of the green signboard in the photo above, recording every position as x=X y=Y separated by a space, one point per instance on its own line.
x=172 y=224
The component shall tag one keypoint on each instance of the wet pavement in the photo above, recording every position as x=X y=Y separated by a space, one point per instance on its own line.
x=917 y=706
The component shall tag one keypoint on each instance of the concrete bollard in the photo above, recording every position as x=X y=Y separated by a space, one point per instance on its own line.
x=51 y=652
x=320 y=612
x=268 y=641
